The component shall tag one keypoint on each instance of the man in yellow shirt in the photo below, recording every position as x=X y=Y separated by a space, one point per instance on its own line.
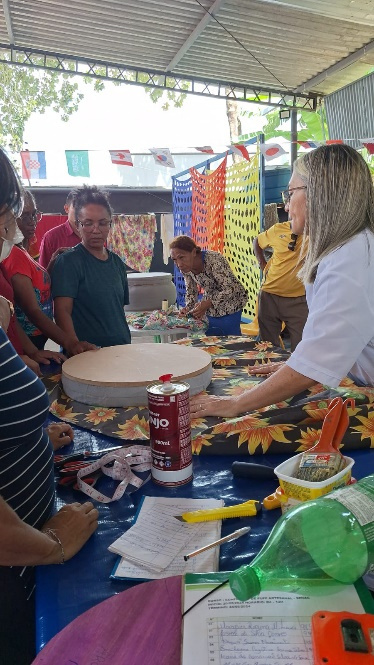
x=282 y=295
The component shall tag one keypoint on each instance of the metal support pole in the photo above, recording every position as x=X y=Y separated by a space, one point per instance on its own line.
x=293 y=150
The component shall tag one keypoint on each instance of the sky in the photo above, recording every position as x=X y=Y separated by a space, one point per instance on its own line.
x=124 y=117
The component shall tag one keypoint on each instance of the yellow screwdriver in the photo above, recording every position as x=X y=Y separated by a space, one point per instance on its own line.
x=246 y=509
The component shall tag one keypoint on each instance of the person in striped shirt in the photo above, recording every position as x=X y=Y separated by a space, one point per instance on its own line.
x=30 y=534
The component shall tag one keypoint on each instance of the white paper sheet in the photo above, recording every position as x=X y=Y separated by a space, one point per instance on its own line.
x=271 y=629
x=157 y=538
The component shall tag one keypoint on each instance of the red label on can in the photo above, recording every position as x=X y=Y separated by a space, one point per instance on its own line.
x=170 y=432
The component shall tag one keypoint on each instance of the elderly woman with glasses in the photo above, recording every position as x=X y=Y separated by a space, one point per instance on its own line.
x=27 y=222
x=331 y=200
x=89 y=283
x=29 y=287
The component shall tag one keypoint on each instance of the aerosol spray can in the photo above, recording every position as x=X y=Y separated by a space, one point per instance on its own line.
x=170 y=431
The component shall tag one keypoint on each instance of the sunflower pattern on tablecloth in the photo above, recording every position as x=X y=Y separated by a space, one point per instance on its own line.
x=290 y=427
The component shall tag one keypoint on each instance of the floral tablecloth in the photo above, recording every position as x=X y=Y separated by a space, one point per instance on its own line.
x=289 y=427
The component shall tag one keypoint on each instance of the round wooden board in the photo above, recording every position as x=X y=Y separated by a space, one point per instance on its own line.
x=132 y=365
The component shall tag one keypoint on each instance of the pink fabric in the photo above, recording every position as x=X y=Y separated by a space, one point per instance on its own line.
x=59 y=236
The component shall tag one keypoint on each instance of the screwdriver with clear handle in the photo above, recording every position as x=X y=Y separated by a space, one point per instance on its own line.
x=246 y=509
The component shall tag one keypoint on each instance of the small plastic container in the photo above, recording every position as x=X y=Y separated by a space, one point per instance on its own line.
x=295 y=490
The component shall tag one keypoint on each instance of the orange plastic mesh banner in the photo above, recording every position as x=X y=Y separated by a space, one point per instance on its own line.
x=208 y=202
x=242 y=225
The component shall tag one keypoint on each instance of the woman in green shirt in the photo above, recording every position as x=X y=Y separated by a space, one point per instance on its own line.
x=89 y=283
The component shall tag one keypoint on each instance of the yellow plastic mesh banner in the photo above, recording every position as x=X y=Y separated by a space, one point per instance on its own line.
x=242 y=225
x=208 y=201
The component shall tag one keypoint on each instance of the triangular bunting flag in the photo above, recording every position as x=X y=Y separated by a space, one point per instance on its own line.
x=240 y=149
x=121 y=157
x=33 y=165
x=369 y=145
x=271 y=150
x=206 y=148
x=163 y=156
x=77 y=163
x=331 y=141
x=308 y=144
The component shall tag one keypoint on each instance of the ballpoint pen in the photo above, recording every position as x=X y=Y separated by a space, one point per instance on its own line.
x=232 y=536
x=247 y=509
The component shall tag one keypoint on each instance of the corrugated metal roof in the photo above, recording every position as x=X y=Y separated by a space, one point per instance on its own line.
x=283 y=43
x=350 y=112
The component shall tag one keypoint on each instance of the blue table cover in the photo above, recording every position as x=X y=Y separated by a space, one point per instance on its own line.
x=64 y=592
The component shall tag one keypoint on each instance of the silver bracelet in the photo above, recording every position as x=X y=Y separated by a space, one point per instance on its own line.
x=54 y=536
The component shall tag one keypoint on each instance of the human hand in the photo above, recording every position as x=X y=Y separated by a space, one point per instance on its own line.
x=200 y=308
x=60 y=434
x=202 y=406
x=262 y=264
x=32 y=364
x=75 y=346
x=73 y=524
x=57 y=253
x=44 y=357
x=265 y=370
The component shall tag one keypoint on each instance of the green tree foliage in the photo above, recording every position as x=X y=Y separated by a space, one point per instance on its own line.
x=167 y=97
x=311 y=126
x=24 y=91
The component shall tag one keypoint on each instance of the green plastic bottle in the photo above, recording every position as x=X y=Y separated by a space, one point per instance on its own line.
x=320 y=544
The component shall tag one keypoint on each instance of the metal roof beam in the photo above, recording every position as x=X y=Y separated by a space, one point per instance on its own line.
x=8 y=21
x=106 y=71
x=195 y=34
x=337 y=67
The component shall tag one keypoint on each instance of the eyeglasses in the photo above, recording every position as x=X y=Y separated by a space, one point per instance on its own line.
x=286 y=195
x=34 y=216
x=89 y=226
x=292 y=244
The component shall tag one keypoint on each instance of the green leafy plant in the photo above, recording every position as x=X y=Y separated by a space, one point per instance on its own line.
x=24 y=91
x=312 y=126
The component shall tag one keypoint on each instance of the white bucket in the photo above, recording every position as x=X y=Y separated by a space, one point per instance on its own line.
x=147 y=290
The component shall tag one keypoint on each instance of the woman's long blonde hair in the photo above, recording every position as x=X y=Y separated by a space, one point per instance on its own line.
x=339 y=201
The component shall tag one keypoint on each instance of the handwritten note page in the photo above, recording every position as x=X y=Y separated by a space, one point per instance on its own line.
x=271 y=629
x=157 y=539
x=262 y=641
x=205 y=562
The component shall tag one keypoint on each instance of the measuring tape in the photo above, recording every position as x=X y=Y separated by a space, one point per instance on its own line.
x=138 y=457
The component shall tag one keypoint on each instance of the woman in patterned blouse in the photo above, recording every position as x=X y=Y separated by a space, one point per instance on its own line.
x=223 y=295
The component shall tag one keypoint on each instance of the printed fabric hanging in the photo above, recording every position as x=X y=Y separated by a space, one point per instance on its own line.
x=208 y=202
x=132 y=237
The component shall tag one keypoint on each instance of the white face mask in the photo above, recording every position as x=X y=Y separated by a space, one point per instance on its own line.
x=8 y=244
x=6 y=249
x=18 y=236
